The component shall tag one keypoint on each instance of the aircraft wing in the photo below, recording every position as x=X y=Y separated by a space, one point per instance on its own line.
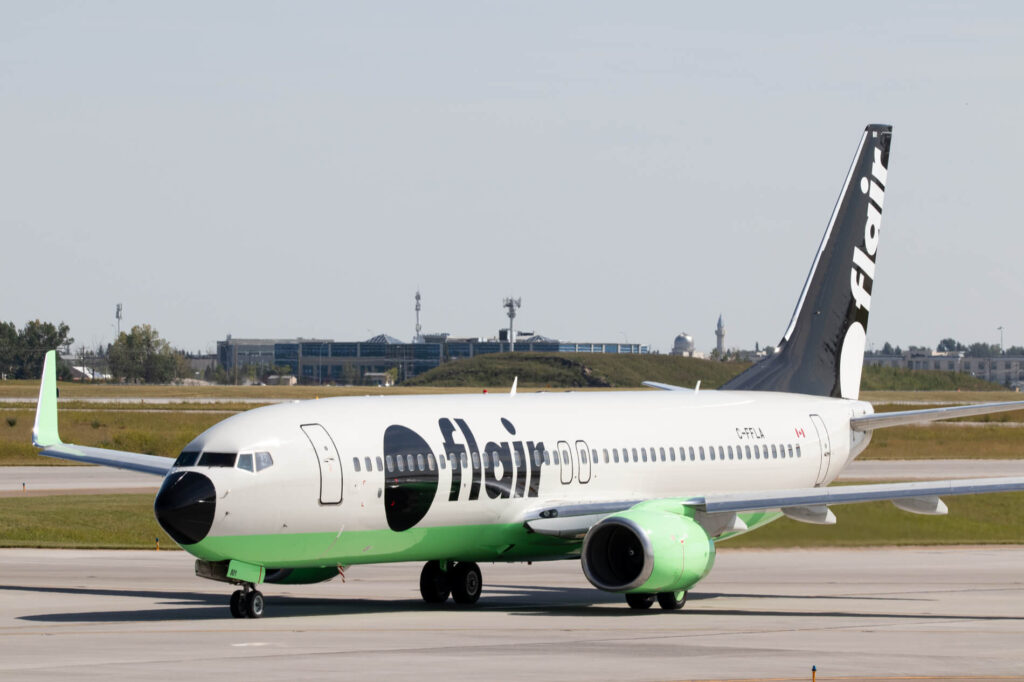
x=881 y=420
x=809 y=505
x=45 y=434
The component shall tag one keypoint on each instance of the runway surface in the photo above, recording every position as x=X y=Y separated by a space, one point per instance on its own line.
x=66 y=480
x=866 y=613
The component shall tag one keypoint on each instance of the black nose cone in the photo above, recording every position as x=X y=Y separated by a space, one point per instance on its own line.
x=185 y=506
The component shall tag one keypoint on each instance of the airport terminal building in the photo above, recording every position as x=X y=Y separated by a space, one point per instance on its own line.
x=322 y=361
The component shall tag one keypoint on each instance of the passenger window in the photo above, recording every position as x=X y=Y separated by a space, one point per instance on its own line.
x=711 y=452
x=593 y=456
x=369 y=464
x=380 y=467
x=547 y=458
x=702 y=453
x=730 y=452
x=798 y=450
x=355 y=463
x=662 y=451
x=465 y=461
x=691 y=454
x=790 y=449
x=387 y=459
x=263 y=460
x=605 y=452
x=430 y=463
x=747 y=449
x=757 y=452
x=411 y=462
x=636 y=455
x=401 y=462
x=643 y=454
x=775 y=453
x=245 y=462
x=615 y=455
x=721 y=453
x=475 y=458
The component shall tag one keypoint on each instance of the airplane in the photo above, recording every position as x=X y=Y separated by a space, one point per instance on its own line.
x=640 y=486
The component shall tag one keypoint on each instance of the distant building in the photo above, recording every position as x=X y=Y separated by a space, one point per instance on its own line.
x=1001 y=369
x=720 y=337
x=355 y=362
x=683 y=345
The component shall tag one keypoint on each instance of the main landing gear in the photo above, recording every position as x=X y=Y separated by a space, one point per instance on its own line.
x=461 y=580
x=669 y=601
x=247 y=602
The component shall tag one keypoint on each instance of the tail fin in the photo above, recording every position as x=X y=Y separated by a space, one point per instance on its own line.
x=822 y=351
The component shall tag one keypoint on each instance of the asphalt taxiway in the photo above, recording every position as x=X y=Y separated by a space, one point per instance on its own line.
x=867 y=613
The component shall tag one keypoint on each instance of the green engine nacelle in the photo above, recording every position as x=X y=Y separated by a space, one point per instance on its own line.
x=647 y=549
x=301 y=576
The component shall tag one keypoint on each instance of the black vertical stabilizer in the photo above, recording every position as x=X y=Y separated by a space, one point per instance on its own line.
x=822 y=351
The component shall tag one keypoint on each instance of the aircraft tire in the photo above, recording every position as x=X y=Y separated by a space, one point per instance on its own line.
x=672 y=601
x=466 y=582
x=434 y=587
x=640 y=601
x=254 y=604
x=237 y=604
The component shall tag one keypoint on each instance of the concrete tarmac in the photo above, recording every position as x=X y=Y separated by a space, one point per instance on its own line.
x=929 y=613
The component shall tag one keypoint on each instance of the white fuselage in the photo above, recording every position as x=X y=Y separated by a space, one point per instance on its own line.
x=566 y=448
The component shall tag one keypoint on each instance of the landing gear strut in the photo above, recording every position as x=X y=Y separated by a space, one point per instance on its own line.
x=461 y=580
x=247 y=602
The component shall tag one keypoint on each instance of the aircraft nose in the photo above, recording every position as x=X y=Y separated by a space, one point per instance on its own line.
x=185 y=506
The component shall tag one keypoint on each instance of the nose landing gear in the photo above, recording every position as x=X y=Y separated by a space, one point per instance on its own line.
x=461 y=580
x=247 y=602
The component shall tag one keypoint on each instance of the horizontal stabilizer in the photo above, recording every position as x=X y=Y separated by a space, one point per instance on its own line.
x=878 y=421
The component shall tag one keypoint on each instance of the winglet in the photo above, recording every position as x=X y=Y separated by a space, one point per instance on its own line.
x=515 y=382
x=44 y=431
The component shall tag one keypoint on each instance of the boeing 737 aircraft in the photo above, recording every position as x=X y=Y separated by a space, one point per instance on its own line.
x=640 y=486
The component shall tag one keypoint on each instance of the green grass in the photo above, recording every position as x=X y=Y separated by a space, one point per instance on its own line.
x=947 y=441
x=899 y=379
x=81 y=521
x=126 y=521
x=153 y=433
x=578 y=370
x=972 y=520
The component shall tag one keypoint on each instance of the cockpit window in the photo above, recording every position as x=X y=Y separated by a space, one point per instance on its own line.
x=245 y=462
x=186 y=459
x=217 y=459
x=263 y=460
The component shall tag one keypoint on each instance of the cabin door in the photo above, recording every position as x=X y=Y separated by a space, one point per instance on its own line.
x=826 y=448
x=329 y=461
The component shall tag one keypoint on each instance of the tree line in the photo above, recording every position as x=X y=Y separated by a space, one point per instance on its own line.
x=950 y=345
x=139 y=355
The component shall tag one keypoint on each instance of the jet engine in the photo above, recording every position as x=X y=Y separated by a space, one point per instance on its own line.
x=647 y=549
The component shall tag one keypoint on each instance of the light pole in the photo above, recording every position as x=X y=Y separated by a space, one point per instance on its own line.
x=1001 y=351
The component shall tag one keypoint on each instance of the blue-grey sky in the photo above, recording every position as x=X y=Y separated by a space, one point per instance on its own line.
x=631 y=170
